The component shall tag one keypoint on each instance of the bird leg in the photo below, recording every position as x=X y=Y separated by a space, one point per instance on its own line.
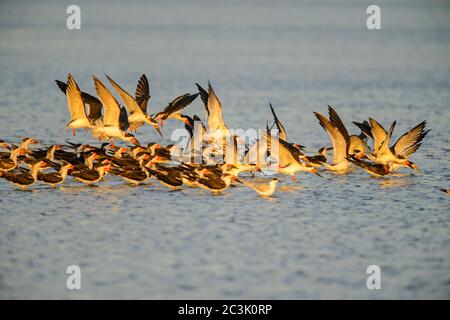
x=73 y=132
x=294 y=179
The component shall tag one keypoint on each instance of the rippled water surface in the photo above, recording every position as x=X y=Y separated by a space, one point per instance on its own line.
x=313 y=241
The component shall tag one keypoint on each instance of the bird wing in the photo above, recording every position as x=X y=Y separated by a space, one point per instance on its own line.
x=142 y=94
x=176 y=105
x=282 y=131
x=258 y=187
x=112 y=108
x=204 y=96
x=215 y=120
x=364 y=127
x=384 y=147
x=339 y=142
x=337 y=123
x=61 y=85
x=124 y=124
x=74 y=100
x=95 y=105
x=409 y=142
x=379 y=135
x=129 y=101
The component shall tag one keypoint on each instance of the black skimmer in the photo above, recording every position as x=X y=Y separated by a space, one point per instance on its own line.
x=357 y=146
x=137 y=110
x=91 y=176
x=339 y=137
x=56 y=178
x=375 y=169
x=169 y=177
x=94 y=105
x=129 y=163
x=264 y=190
x=358 y=143
x=134 y=176
x=48 y=153
x=406 y=145
x=5 y=154
x=173 y=110
x=78 y=117
x=288 y=158
x=9 y=164
x=111 y=125
x=217 y=129
x=26 y=143
x=216 y=184
x=26 y=178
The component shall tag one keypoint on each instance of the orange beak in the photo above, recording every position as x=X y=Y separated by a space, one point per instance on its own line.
x=314 y=170
x=157 y=129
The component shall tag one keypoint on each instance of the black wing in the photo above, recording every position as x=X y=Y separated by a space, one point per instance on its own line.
x=337 y=122
x=61 y=85
x=142 y=94
x=364 y=127
x=95 y=106
x=204 y=96
x=177 y=104
x=282 y=131
x=123 y=119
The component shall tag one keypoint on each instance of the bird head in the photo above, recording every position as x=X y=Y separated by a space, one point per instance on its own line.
x=22 y=151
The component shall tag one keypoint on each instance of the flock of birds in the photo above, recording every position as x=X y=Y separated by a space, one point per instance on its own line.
x=210 y=158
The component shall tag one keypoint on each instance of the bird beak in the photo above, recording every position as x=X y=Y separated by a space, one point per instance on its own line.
x=135 y=141
x=360 y=155
x=157 y=129
x=314 y=170
x=414 y=166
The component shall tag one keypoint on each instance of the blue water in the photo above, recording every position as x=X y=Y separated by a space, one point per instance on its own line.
x=310 y=242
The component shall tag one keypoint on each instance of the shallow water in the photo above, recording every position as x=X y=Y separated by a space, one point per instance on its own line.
x=310 y=242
